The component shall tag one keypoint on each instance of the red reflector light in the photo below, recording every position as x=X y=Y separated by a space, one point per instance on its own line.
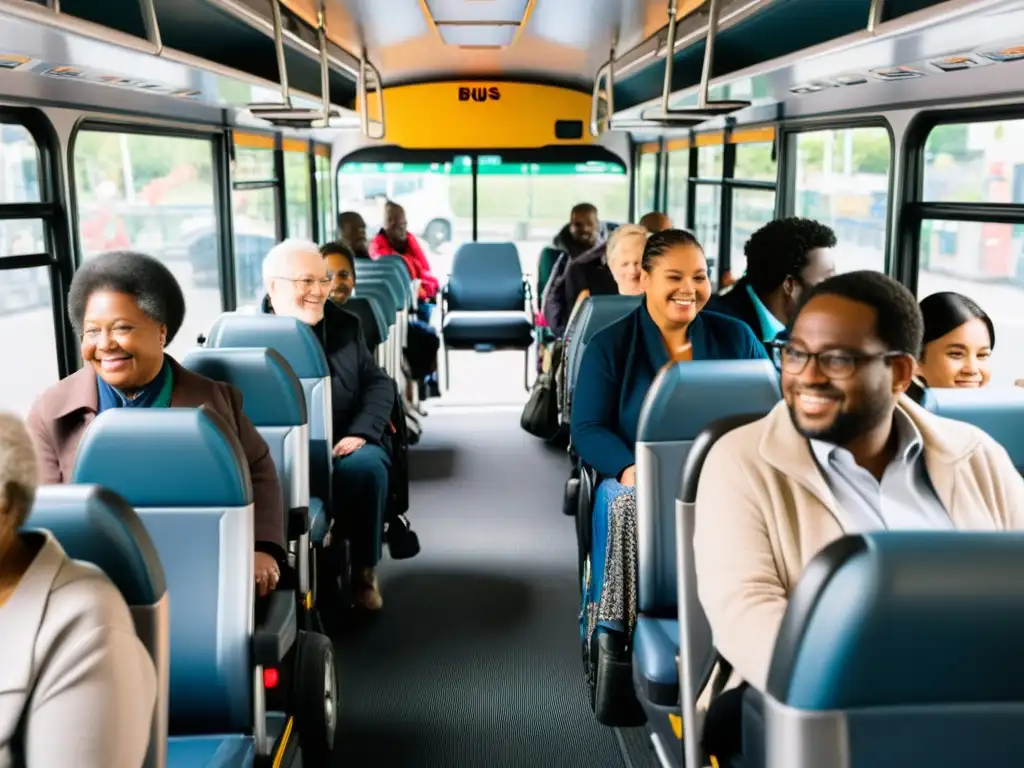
x=270 y=678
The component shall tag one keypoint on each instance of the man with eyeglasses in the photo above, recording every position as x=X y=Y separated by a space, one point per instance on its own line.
x=845 y=452
x=297 y=282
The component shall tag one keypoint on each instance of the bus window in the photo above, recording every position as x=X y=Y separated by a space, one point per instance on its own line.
x=153 y=194
x=677 y=182
x=645 y=174
x=752 y=208
x=978 y=163
x=26 y=313
x=297 y=194
x=437 y=198
x=842 y=180
x=325 y=199
x=254 y=206
x=529 y=203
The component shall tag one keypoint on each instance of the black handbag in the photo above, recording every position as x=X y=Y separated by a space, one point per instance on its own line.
x=540 y=415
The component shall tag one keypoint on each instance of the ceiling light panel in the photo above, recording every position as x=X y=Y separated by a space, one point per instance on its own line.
x=476 y=11
x=478 y=35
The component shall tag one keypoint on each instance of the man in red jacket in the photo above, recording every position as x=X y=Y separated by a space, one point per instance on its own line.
x=396 y=239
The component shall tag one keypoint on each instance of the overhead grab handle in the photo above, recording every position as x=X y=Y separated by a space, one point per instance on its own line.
x=326 y=111
x=372 y=129
x=875 y=12
x=602 y=99
x=149 y=19
x=706 y=109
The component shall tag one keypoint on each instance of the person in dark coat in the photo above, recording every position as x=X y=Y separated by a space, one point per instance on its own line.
x=126 y=308
x=785 y=257
x=583 y=237
x=297 y=283
x=341 y=268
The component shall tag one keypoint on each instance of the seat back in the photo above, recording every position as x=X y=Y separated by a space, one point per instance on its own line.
x=391 y=271
x=377 y=289
x=696 y=648
x=371 y=318
x=388 y=283
x=683 y=399
x=188 y=480
x=97 y=526
x=486 y=277
x=394 y=259
x=297 y=344
x=545 y=263
x=273 y=399
x=897 y=644
x=999 y=411
x=594 y=314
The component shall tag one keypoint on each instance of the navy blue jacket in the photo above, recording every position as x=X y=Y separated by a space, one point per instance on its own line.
x=618 y=368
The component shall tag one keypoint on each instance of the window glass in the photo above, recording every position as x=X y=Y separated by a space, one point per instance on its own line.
x=254 y=164
x=986 y=263
x=975 y=163
x=751 y=210
x=646 y=171
x=709 y=162
x=325 y=199
x=19 y=165
x=706 y=223
x=26 y=316
x=297 y=194
x=22 y=237
x=255 y=218
x=153 y=194
x=754 y=162
x=842 y=180
x=678 y=182
x=438 y=209
x=529 y=203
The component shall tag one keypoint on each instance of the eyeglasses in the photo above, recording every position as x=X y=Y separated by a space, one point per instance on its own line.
x=306 y=283
x=834 y=363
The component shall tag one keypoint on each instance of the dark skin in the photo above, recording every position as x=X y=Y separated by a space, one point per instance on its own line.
x=352 y=230
x=655 y=222
x=583 y=226
x=342 y=274
x=868 y=397
x=395 y=226
x=783 y=300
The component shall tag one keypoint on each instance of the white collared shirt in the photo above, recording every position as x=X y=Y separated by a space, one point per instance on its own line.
x=904 y=499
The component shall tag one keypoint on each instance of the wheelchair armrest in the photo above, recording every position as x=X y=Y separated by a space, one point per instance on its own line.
x=298 y=522
x=275 y=635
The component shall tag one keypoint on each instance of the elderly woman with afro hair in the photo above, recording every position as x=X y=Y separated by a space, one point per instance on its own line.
x=125 y=309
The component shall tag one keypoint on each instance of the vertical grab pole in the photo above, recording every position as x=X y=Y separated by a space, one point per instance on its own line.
x=325 y=71
x=282 y=68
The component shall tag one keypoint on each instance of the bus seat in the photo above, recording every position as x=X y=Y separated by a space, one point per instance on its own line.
x=898 y=648
x=295 y=342
x=392 y=271
x=682 y=401
x=595 y=313
x=486 y=302
x=545 y=263
x=392 y=258
x=97 y=526
x=188 y=480
x=377 y=291
x=695 y=650
x=999 y=411
x=273 y=399
x=371 y=319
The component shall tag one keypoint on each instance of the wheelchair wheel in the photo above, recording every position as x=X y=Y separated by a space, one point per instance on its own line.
x=316 y=697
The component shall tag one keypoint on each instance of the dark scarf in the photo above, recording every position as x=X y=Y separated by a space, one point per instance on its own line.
x=156 y=394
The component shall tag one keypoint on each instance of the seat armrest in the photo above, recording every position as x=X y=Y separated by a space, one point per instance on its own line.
x=298 y=522
x=275 y=635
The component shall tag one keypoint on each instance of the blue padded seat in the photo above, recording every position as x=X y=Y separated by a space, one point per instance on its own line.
x=378 y=291
x=898 y=648
x=297 y=344
x=504 y=329
x=999 y=411
x=372 y=310
x=390 y=271
x=97 y=526
x=188 y=479
x=395 y=294
x=210 y=752
x=486 y=277
x=655 y=648
x=594 y=314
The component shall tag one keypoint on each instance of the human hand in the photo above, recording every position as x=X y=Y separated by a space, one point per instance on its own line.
x=348 y=445
x=267 y=573
x=628 y=476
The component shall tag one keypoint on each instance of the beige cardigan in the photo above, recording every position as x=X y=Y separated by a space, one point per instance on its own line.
x=72 y=666
x=764 y=510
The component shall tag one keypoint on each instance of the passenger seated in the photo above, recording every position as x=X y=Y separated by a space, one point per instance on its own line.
x=958 y=342
x=625 y=251
x=591 y=274
x=396 y=239
x=341 y=268
x=352 y=232
x=295 y=276
x=844 y=452
x=126 y=308
x=785 y=257
x=77 y=687
x=582 y=237
x=617 y=369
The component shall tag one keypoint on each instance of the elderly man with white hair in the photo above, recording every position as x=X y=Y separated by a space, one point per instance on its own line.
x=297 y=282
x=77 y=687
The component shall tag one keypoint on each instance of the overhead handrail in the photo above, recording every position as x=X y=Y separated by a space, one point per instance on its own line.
x=875 y=12
x=705 y=107
x=598 y=123
x=366 y=69
x=150 y=21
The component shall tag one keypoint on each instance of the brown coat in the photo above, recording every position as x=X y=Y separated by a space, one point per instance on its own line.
x=59 y=417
